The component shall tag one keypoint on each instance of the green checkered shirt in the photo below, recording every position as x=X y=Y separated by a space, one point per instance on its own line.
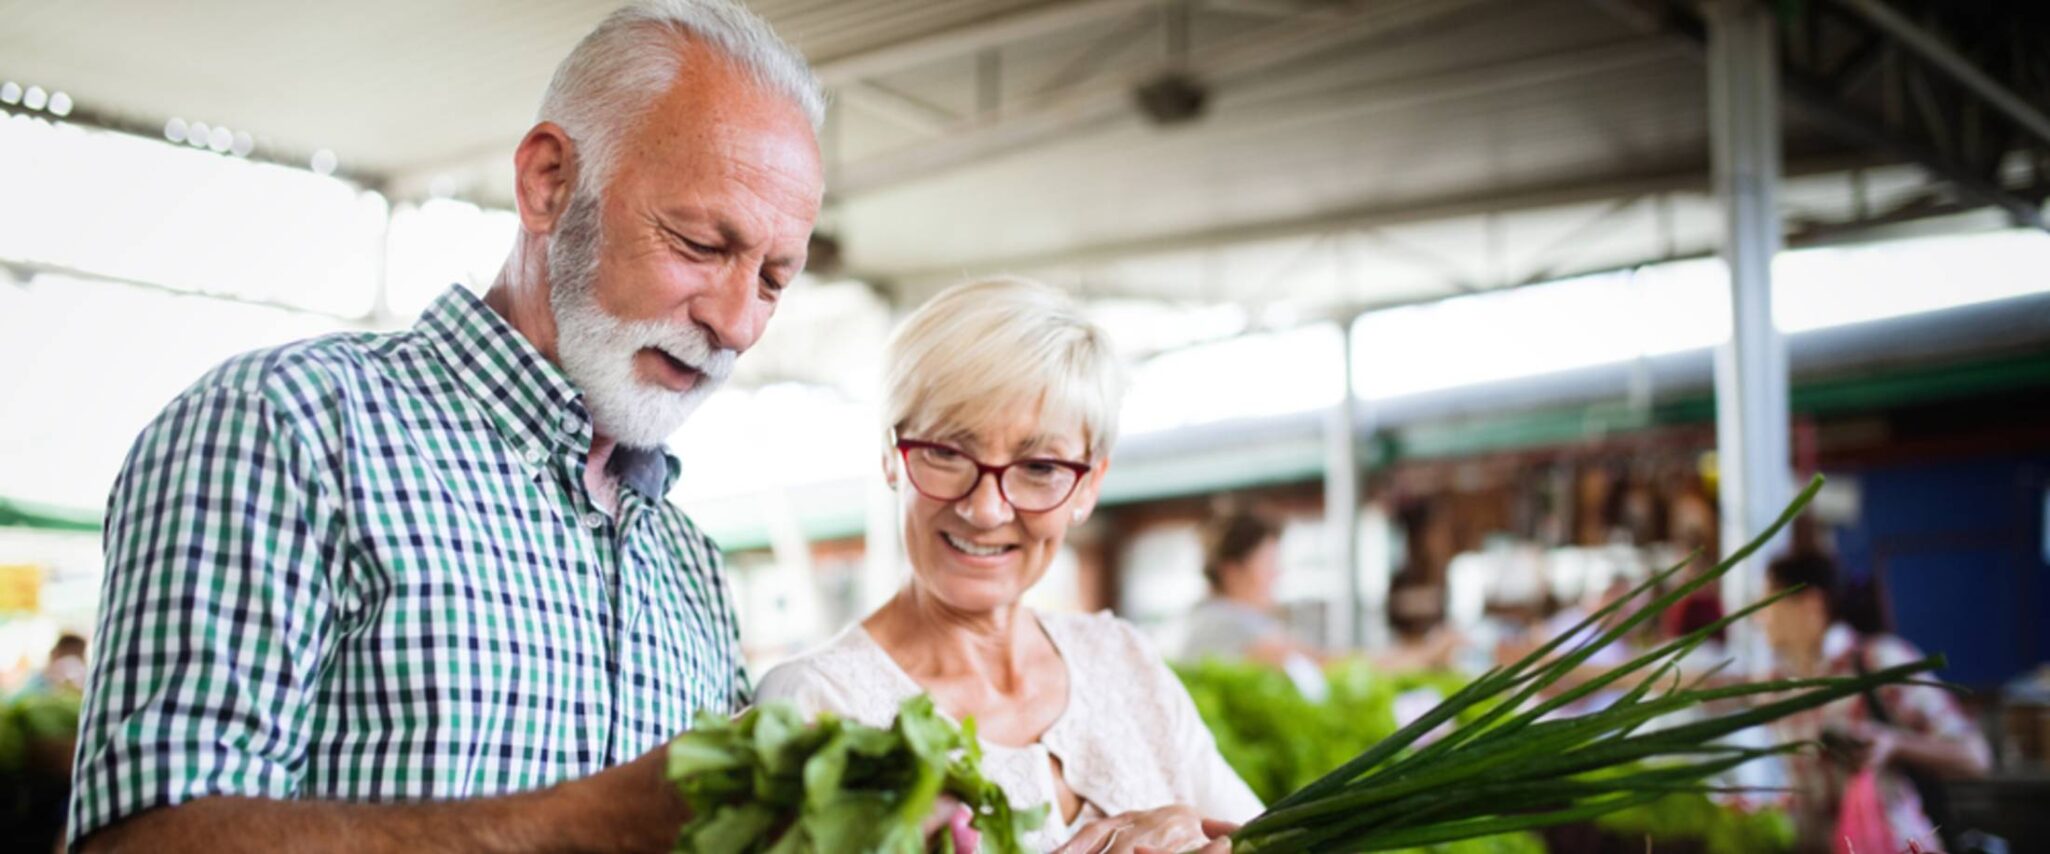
x=366 y=568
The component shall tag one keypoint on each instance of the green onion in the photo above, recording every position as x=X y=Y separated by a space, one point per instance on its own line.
x=1511 y=769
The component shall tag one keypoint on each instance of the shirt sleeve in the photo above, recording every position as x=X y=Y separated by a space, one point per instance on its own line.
x=743 y=692
x=1926 y=709
x=1215 y=790
x=1219 y=791
x=214 y=613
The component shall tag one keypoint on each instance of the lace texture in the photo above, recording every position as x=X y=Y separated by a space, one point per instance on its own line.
x=1130 y=738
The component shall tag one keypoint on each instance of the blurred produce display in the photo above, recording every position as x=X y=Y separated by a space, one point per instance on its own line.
x=38 y=731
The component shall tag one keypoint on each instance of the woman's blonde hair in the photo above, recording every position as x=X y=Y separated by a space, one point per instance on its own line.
x=985 y=349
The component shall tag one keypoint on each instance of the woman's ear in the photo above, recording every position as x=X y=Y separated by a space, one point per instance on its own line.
x=890 y=468
x=1086 y=492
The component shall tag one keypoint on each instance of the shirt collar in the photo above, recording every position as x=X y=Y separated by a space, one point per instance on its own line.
x=532 y=403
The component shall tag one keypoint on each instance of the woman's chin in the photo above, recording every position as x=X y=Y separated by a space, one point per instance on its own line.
x=972 y=595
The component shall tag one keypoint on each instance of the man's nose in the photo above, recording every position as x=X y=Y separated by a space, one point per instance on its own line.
x=727 y=308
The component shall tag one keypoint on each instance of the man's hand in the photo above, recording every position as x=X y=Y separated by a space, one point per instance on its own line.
x=629 y=807
x=1169 y=828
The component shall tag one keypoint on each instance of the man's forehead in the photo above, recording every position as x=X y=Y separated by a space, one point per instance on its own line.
x=690 y=155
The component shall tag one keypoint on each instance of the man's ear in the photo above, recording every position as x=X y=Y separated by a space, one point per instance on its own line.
x=544 y=171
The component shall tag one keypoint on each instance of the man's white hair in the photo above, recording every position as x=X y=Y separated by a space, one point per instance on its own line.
x=985 y=351
x=612 y=77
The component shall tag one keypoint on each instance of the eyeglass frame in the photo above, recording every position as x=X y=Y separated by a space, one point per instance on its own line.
x=906 y=446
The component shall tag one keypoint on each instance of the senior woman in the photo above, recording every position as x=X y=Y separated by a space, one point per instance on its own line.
x=1001 y=408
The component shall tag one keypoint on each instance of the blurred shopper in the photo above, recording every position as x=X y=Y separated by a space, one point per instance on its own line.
x=66 y=668
x=424 y=591
x=1889 y=747
x=1242 y=565
x=38 y=734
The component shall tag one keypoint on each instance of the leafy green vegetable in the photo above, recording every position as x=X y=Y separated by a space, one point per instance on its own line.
x=769 y=782
x=1512 y=768
x=1720 y=829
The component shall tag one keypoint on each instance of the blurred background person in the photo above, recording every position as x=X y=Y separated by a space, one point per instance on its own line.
x=1908 y=737
x=38 y=734
x=66 y=668
x=1239 y=619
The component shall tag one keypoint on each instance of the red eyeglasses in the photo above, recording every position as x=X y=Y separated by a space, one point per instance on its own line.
x=1031 y=485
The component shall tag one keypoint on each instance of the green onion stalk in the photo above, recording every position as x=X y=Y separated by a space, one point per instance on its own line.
x=1515 y=768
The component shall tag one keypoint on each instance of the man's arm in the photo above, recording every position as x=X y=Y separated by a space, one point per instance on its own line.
x=628 y=808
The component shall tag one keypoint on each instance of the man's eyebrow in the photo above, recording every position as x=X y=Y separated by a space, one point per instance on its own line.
x=730 y=234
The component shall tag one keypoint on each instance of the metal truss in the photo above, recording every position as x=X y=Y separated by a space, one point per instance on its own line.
x=1954 y=86
x=1081 y=96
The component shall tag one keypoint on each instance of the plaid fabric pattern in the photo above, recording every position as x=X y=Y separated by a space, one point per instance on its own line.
x=366 y=567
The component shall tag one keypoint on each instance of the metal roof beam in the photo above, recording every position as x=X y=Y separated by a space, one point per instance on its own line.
x=1820 y=101
x=1967 y=74
x=1037 y=21
x=1498 y=200
x=1060 y=116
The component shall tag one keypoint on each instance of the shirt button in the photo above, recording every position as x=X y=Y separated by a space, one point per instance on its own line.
x=571 y=423
x=594 y=520
x=533 y=456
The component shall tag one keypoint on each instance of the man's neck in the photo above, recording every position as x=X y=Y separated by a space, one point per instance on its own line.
x=598 y=476
x=520 y=295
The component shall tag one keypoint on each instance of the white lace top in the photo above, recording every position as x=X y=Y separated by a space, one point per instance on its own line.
x=1130 y=738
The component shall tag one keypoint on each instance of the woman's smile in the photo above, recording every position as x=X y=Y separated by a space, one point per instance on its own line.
x=969 y=548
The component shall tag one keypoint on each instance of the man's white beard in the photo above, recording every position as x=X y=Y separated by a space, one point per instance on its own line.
x=597 y=350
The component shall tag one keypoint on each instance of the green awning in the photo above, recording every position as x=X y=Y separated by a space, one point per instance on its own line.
x=15 y=513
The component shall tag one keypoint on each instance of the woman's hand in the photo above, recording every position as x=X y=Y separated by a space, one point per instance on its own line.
x=1169 y=828
x=1878 y=743
x=951 y=818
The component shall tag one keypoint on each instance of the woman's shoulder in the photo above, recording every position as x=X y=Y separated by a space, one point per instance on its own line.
x=1098 y=632
x=842 y=675
x=1109 y=652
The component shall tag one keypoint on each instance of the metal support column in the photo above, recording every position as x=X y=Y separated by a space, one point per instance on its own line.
x=1342 y=506
x=1751 y=368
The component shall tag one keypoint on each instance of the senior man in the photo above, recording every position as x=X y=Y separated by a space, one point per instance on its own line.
x=422 y=591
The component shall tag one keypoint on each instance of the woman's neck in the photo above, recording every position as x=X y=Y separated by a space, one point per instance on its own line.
x=933 y=641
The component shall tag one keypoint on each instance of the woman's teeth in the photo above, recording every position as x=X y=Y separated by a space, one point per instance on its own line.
x=973 y=549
